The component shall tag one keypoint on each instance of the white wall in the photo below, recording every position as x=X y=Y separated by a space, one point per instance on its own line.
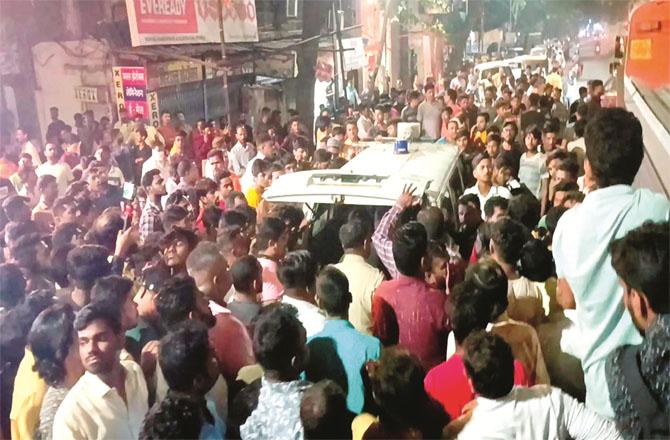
x=60 y=67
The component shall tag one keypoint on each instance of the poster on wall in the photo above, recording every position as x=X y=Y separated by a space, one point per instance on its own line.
x=190 y=21
x=130 y=88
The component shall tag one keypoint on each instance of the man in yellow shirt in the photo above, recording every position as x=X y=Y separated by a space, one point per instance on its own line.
x=262 y=172
x=29 y=391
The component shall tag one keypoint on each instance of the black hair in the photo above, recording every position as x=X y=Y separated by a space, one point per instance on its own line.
x=536 y=263
x=566 y=187
x=489 y=363
x=173 y=214
x=269 y=230
x=231 y=220
x=495 y=202
x=484 y=115
x=478 y=158
x=580 y=128
x=106 y=228
x=175 y=417
x=535 y=131
x=409 y=247
x=15 y=324
x=470 y=199
x=322 y=155
x=50 y=339
x=553 y=216
x=353 y=234
x=184 y=355
x=471 y=310
x=494 y=137
x=260 y=166
x=298 y=270
x=211 y=217
x=176 y=300
x=509 y=237
x=290 y=215
x=524 y=208
x=534 y=100
x=112 y=291
x=64 y=234
x=487 y=278
x=98 y=311
x=278 y=337
x=12 y=287
x=614 y=146
x=397 y=385
x=244 y=272
x=332 y=289
x=324 y=413
x=640 y=259
x=87 y=263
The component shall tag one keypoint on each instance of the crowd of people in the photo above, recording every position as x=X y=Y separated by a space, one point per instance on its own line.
x=148 y=290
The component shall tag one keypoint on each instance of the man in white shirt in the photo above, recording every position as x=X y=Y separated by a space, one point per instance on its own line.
x=363 y=278
x=27 y=146
x=110 y=399
x=297 y=274
x=482 y=166
x=429 y=114
x=158 y=161
x=266 y=150
x=586 y=279
x=61 y=171
x=242 y=151
x=505 y=411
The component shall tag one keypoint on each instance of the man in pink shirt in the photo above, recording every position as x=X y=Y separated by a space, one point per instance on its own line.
x=407 y=311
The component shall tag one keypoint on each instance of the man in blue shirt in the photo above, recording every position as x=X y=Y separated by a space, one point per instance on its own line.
x=587 y=281
x=339 y=352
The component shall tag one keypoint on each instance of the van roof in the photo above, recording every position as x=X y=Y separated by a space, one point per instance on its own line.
x=492 y=64
x=375 y=177
x=526 y=58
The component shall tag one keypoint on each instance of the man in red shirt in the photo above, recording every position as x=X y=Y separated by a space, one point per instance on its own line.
x=407 y=311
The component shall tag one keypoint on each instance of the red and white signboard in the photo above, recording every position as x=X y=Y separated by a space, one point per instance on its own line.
x=130 y=85
x=155 y=22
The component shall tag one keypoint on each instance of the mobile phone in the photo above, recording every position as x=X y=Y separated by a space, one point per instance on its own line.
x=128 y=191
x=127 y=215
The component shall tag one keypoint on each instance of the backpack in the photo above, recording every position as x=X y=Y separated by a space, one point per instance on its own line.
x=652 y=418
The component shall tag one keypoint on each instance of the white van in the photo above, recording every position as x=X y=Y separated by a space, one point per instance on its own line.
x=483 y=70
x=518 y=64
x=376 y=177
x=374 y=180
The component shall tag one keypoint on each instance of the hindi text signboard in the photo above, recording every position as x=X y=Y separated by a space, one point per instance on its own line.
x=130 y=85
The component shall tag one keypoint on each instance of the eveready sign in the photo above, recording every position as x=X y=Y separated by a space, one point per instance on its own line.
x=154 y=22
x=163 y=7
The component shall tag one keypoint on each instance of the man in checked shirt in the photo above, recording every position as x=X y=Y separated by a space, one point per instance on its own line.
x=150 y=220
